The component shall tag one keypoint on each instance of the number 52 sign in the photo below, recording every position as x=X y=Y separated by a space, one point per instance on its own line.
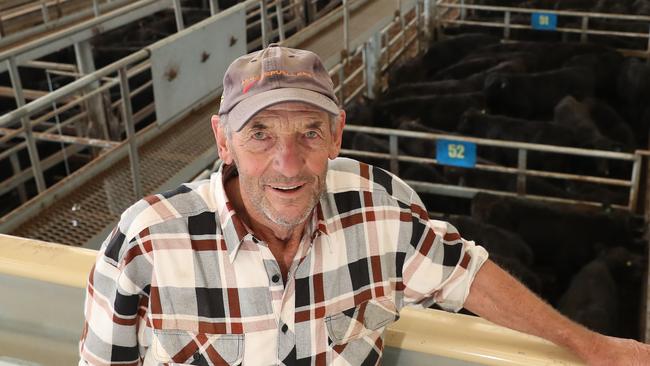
x=457 y=153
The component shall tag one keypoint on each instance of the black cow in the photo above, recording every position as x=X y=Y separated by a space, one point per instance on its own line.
x=634 y=92
x=535 y=95
x=561 y=236
x=430 y=88
x=604 y=66
x=436 y=111
x=600 y=290
x=497 y=241
x=439 y=55
x=549 y=55
x=577 y=115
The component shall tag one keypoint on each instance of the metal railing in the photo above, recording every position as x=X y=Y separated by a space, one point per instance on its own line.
x=582 y=27
x=39 y=16
x=68 y=105
x=521 y=171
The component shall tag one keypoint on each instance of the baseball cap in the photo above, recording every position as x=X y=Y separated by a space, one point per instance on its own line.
x=274 y=75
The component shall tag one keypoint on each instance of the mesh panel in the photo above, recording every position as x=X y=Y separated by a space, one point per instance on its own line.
x=86 y=212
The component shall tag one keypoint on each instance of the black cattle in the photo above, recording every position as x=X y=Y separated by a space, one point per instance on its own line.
x=439 y=55
x=577 y=116
x=549 y=55
x=435 y=111
x=513 y=66
x=432 y=87
x=464 y=68
x=641 y=7
x=633 y=89
x=416 y=146
x=371 y=143
x=604 y=66
x=478 y=124
x=535 y=95
x=562 y=237
x=495 y=240
x=600 y=290
x=611 y=124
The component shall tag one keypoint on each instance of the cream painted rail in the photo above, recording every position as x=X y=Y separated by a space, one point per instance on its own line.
x=427 y=334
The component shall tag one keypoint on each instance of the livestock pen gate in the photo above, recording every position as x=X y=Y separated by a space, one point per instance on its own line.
x=364 y=44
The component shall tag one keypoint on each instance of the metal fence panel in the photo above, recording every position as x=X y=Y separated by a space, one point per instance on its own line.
x=193 y=65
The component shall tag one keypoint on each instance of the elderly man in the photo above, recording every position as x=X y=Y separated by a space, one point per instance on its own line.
x=289 y=255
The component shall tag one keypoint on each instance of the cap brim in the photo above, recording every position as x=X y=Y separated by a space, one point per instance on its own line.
x=247 y=108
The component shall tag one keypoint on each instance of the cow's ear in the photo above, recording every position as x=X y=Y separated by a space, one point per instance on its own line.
x=337 y=137
x=223 y=147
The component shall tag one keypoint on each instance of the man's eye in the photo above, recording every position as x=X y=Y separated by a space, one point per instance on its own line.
x=259 y=135
x=311 y=134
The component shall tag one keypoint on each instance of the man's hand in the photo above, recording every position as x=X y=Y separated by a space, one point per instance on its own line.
x=610 y=351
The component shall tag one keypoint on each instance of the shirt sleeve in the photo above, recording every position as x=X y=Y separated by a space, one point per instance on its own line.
x=115 y=306
x=440 y=266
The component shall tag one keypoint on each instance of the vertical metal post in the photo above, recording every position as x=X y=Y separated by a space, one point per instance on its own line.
x=44 y=12
x=402 y=25
x=392 y=148
x=372 y=50
x=506 y=22
x=15 y=166
x=127 y=114
x=311 y=11
x=341 y=76
x=585 y=27
x=648 y=49
x=463 y=11
x=635 y=180
x=279 y=12
x=94 y=105
x=346 y=28
x=435 y=14
x=521 y=177
x=418 y=26
x=265 y=30
x=96 y=8
x=427 y=17
x=214 y=7
x=178 y=13
x=27 y=125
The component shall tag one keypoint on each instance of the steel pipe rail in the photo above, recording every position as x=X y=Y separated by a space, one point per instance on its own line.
x=71 y=35
x=497 y=143
x=71 y=88
x=643 y=18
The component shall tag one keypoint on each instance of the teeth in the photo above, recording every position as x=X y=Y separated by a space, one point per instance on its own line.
x=286 y=188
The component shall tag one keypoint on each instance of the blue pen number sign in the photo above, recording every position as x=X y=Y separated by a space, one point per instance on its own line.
x=544 y=21
x=457 y=153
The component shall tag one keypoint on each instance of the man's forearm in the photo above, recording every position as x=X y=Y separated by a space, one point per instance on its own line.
x=498 y=297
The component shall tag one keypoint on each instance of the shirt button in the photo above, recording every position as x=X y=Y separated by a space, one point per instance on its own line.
x=196 y=356
x=285 y=328
x=275 y=278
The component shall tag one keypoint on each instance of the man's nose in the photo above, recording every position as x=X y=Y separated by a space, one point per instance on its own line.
x=288 y=158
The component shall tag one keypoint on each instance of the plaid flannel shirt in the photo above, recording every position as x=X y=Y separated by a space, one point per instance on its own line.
x=181 y=280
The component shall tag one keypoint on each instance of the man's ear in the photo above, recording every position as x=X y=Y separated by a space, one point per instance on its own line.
x=221 y=139
x=335 y=147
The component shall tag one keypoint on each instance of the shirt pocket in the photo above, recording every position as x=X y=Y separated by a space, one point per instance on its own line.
x=189 y=348
x=362 y=320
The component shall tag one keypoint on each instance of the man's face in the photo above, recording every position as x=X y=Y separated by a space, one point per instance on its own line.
x=281 y=155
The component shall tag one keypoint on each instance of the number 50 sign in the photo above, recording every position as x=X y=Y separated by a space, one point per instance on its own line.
x=457 y=153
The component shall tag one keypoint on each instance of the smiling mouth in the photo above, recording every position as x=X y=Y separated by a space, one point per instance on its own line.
x=287 y=188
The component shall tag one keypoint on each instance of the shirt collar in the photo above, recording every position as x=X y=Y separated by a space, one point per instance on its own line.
x=233 y=229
